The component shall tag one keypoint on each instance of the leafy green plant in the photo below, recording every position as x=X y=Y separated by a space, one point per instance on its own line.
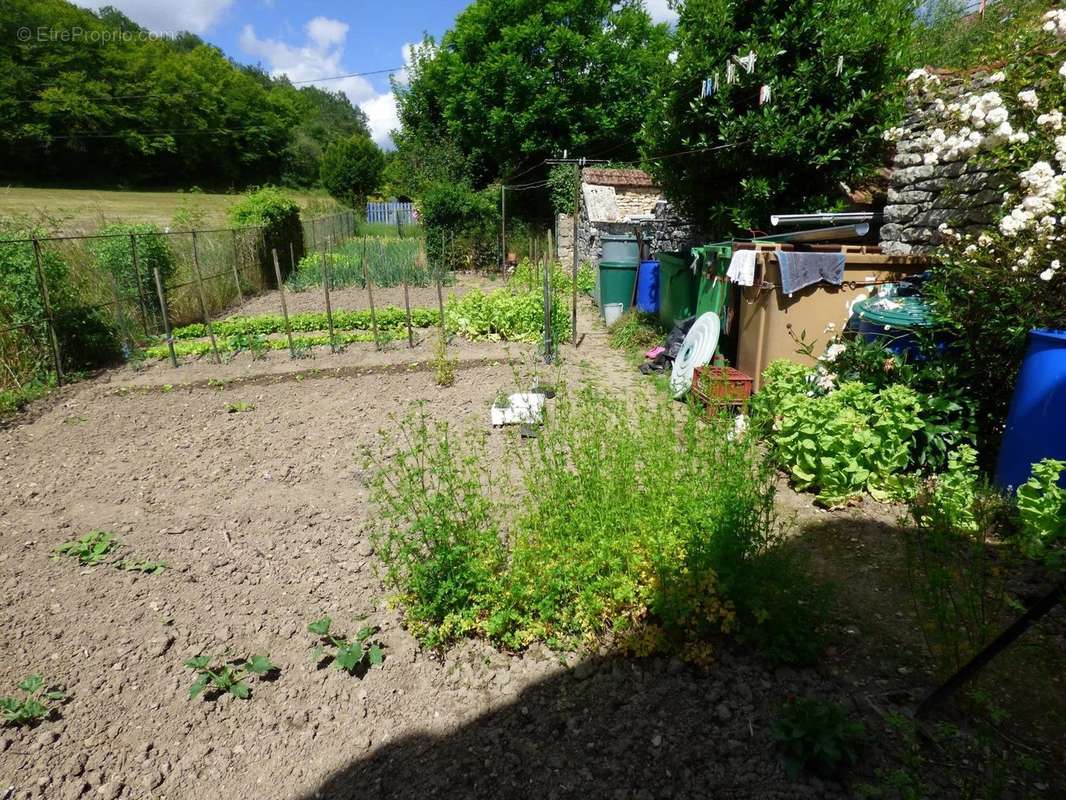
x=278 y=217
x=239 y=407
x=142 y=565
x=351 y=655
x=815 y=734
x=1042 y=508
x=36 y=705
x=957 y=578
x=90 y=549
x=227 y=677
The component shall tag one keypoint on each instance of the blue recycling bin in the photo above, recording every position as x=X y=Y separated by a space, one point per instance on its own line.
x=1035 y=427
x=648 y=287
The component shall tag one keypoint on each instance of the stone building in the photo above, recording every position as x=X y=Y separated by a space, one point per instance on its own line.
x=619 y=201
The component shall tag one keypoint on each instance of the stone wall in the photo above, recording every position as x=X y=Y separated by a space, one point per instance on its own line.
x=921 y=196
x=666 y=233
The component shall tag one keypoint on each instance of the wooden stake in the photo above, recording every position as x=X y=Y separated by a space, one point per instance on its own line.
x=42 y=284
x=326 y=277
x=166 y=316
x=236 y=269
x=140 y=286
x=203 y=299
x=440 y=303
x=284 y=305
x=407 y=308
x=370 y=295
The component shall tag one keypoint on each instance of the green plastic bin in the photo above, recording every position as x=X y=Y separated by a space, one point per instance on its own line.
x=617 y=281
x=677 y=287
x=712 y=290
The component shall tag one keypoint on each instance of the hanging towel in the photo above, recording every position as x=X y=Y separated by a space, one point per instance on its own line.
x=742 y=268
x=800 y=270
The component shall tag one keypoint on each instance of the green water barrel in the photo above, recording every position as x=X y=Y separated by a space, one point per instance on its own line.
x=619 y=248
x=616 y=283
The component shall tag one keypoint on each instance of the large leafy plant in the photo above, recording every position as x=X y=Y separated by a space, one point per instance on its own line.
x=1042 y=508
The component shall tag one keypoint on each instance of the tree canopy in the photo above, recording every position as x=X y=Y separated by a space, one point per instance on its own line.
x=351 y=169
x=827 y=63
x=515 y=81
x=118 y=105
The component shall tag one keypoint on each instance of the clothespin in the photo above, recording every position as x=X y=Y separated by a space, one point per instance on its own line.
x=764 y=94
x=748 y=61
x=730 y=72
x=708 y=88
x=840 y=65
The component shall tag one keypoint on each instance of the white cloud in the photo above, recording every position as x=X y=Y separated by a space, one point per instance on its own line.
x=382 y=118
x=661 y=12
x=321 y=56
x=327 y=32
x=167 y=17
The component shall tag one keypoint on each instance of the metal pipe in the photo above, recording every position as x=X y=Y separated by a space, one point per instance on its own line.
x=820 y=234
x=823 y=218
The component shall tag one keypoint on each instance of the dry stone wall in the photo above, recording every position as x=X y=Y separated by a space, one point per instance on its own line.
x=962 y=194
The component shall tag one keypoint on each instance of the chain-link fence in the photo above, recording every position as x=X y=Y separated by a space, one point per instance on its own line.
x=76 y=302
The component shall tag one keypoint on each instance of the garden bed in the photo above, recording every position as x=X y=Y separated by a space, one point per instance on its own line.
x=262 y=516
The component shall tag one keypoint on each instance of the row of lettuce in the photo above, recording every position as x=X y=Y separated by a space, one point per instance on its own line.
x=511 y=313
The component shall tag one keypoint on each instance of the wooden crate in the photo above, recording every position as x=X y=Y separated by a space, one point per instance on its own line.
x=721 y=386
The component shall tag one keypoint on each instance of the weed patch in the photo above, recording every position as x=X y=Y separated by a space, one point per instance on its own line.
x=627 y=526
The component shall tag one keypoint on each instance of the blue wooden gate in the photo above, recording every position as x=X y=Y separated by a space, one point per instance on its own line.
x=388 y=212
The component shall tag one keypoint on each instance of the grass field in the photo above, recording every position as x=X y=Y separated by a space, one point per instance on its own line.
x=85 y=210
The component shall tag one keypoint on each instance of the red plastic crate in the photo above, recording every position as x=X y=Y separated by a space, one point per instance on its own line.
x=721 y=386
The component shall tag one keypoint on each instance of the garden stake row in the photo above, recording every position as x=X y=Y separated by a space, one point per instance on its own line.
x=370 y=294
x=203 y=300
x=284 y=307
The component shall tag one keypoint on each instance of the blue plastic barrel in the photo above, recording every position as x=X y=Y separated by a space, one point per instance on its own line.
x=1035 y=428
x=648 y=287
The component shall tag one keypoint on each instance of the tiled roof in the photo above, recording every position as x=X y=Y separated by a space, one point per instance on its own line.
x=618 y=177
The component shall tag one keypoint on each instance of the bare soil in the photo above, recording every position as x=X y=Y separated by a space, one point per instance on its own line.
x=262 y=519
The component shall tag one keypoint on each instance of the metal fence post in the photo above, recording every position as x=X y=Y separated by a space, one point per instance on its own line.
x=166 y=316
x=203 y=299
x=236 y=269
x=140 y=285
x=43 y=285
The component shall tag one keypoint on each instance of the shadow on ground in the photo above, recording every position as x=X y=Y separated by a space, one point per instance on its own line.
x=623 y=729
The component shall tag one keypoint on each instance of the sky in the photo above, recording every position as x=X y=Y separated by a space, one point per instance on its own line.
x=313 y=41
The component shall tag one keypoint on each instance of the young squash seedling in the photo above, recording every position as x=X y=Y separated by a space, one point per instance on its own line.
x=227 y=677
x=90 y=549
x=36 y=706
x=358 y=655
x=148 y=567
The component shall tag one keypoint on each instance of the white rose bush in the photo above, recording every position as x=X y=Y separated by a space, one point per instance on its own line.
x=993 y=286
